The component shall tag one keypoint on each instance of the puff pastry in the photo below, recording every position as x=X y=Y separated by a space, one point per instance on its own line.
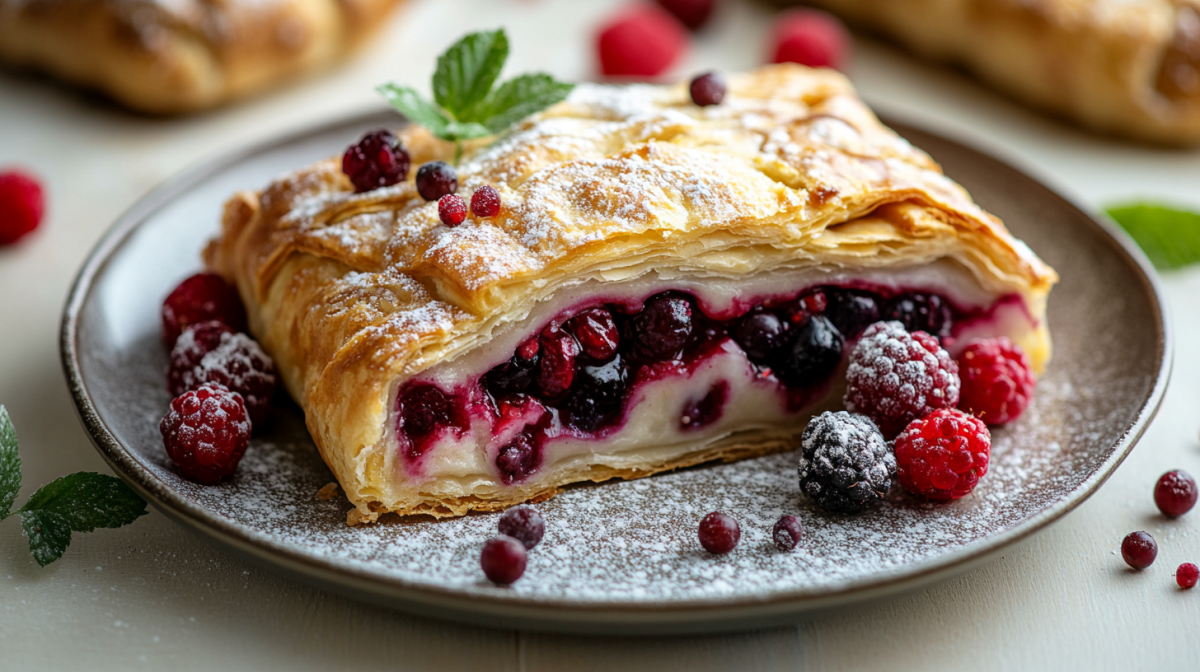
x=406 y=342
x=1127 y=67
x=174 y=56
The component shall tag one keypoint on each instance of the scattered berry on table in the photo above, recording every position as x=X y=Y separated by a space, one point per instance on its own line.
x=436 y=179
x=787 y=532
x=209 y=352
x=708 y=89
x=662 y=328
x=503 y=560
x=997 y=381
x=559 y=351
x=943 y=455
x=524 y=524
x=642 y=41
x=206 y=433
x=485 y=202
x=1187 y=574
x=1139 y=550
x=452 y=209
x=845 y=464
x=691 y=13
x=810 y=37
x=895 y=377
x=719 y=533
x=1175 y=493
x=815 y=352
x=377 y=160
x=22 y=205
x=200 y=298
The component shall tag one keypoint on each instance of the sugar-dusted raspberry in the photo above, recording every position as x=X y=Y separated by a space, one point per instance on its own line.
x=719 y=533
x=377 y=160
x=1139 y=550
x=691 y=13
x=21 y=205
x=206 y=432
x=208 y=353
x=485 y=202
x=997 y=381
x=524 y=524
x=1187 y=575
x=810 y=37
x=895 y=377
x=503 y=560
x=200 y=298
x=642 y=41
x=452 y=210
x=845 y=464
x=1175 y=493
x=943 y=455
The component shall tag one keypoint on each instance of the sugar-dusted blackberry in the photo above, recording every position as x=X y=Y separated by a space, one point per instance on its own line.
x=845 y=464
x=816 y=350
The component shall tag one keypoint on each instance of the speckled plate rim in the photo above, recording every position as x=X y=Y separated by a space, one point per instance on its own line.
x=707 y=615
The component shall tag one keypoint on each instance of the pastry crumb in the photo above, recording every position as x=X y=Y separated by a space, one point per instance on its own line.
x=353 y=517
x=329 y=491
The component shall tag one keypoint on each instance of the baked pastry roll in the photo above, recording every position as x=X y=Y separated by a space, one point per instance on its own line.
x=1129 y=67
x=615 y=319
x=182 y=55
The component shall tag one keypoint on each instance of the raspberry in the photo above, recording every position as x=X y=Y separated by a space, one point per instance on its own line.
x=691 y=13
x=719 y=533
x=452 y=210
x=485 y=202
x=503 y=560
x=895 y=377
x=642 y=41
x=662 y=328
x=1139 y=550
x=436 y=179
x=524 y=524
x=1187 y=575
x=1175 y=493
x=22 y=205
x=211 y=353
x=943 y=455
x=377 y=160
x=206 y=433
x=597 y=333
x=559 y=350
x=200 y=298
x=845 y=464
x=997 y=383
x=787 y=533
x=707 y=89
x=810 y=37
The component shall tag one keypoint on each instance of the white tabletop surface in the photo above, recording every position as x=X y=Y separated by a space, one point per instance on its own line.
x=154 y=596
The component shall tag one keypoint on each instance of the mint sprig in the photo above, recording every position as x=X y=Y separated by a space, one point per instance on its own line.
x=80 y=502
x=1170 y=237
x=466 y=104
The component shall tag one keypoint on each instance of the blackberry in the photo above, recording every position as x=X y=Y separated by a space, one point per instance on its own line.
x=845 y=464
x=851 y=311
x=816 y=351
x=760 y=334
x=597 y=395
x=921 y=312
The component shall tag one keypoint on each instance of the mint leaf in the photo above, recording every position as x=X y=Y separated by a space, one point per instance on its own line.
x=467 y=70
x=1169 y=237
x=49 y=535
x=10 y=464
x=87 y=501
x=410 y=103
x=465 y=131
x=522 y=96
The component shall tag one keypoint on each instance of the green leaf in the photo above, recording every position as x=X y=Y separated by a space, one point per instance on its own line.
x=410 y=103
x=87 y=501
x=467 y=70
x=1169 y=237
x=10 y=465
x=522 y=96
x=49 y=535
x=460 y=131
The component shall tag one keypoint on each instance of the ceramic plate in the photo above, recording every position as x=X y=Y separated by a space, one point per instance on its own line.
x=623 y=557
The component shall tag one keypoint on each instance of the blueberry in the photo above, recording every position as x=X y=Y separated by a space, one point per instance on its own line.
x=598 y=394
x=816 y=351
x=851 y=311
x=760 y=334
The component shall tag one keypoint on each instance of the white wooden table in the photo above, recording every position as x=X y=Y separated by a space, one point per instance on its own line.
x=154 y=596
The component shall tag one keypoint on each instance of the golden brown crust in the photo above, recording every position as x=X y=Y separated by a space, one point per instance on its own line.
x=179 y=56
x=1129 y=67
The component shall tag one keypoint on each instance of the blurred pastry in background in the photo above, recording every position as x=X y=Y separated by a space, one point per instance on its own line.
x=177 y=56
x=1127 y=67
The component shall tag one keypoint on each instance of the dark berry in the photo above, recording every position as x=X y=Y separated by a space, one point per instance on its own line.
x=814 y=353
x=556 y=372
x=921 y=312
x=997 y=380
x=642 y=41
x=436 y=179
x=707 y=410
x=845 y=464
x=452 y=210
x=810 y=37
x=719 y=533
x=814 y=302
x=708 y=89
x=787 y=533
x=524 y=524
x=1139 y=550
x=895 y=377
x=760 y=334
x=503 y=560
x=943 y=455
x=377 y=160
x=518 y=459
x=597 y=333
x=1187 y=575
x=206 y=433
x=485 y=202
x=516 y=374
x=850 y=311
x=1175 y=493
x=422 y=410
x=662 y=328
x=210 y=352
x=200 y=298
x=598 y=394
x=691 y=13
x=22 y=205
